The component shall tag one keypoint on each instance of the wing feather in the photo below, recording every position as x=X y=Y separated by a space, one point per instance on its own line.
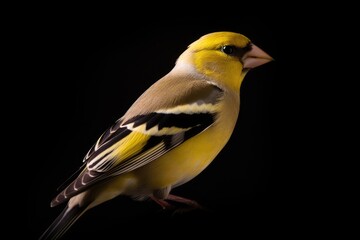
x=141 y=139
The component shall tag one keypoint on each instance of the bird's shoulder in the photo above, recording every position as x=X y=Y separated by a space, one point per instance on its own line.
x=174 y=90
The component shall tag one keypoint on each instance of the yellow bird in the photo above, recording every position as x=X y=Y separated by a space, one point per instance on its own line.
x=171 y=133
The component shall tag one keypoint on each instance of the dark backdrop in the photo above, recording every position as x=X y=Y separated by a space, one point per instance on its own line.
x=87 y=73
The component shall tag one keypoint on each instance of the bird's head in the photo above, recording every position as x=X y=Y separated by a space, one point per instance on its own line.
x=224 y=57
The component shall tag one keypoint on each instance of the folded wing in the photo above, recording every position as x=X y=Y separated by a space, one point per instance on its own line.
x=136 y=141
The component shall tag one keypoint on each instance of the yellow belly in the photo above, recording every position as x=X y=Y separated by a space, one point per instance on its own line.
x=182 y=163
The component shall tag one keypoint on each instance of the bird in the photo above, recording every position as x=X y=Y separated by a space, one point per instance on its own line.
x=169 y=135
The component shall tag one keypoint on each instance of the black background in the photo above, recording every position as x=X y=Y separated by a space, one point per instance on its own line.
x=88 y=72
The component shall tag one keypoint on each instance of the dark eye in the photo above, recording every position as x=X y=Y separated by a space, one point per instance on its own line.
x=228 y=49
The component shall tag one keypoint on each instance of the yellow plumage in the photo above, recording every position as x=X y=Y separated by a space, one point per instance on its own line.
x=129 y=146
x=171 y=133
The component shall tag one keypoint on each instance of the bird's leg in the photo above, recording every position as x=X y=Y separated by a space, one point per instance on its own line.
x=191 y=203
x=162 y=197
x=164 y=204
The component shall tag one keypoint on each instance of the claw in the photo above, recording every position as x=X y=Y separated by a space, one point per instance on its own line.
x=186 y=201
x=164 y=204
x=191 y=204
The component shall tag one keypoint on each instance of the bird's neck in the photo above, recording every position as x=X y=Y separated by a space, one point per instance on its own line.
x=227 y=75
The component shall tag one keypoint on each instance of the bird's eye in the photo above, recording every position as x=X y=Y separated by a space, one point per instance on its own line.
x=228 y=49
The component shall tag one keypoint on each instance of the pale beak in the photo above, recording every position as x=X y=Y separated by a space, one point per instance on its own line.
x=255 y=57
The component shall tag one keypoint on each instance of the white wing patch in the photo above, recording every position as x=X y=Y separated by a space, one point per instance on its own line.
x=190 y=109
x=154 y=131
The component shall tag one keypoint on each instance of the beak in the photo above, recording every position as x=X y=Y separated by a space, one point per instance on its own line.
x=255 y=57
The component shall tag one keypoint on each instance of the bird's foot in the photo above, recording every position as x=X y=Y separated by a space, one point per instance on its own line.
x=189 y=204
x=164 y=204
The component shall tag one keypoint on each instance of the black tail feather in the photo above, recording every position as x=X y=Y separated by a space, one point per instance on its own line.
x=62 y=223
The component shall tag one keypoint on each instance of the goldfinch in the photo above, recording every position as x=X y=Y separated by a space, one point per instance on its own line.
x=170 y=134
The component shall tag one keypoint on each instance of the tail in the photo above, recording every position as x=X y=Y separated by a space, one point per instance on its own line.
x=63 y=222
